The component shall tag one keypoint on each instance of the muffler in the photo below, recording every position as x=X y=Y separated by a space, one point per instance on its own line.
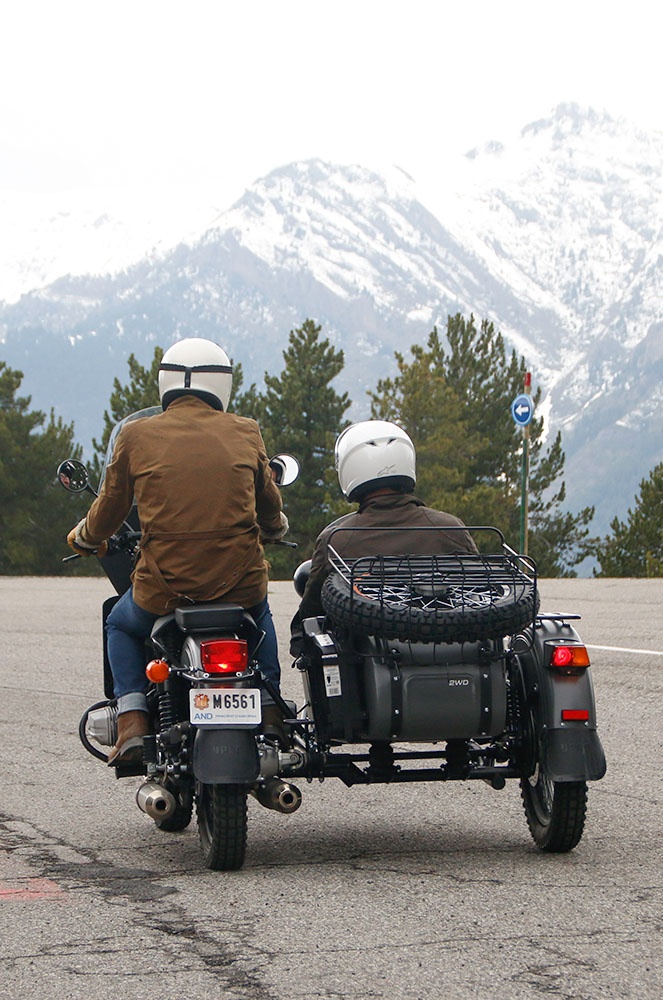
x=155 y=800
x=277 y=794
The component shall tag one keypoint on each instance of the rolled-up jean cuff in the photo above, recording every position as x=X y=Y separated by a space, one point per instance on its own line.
x=135 y=701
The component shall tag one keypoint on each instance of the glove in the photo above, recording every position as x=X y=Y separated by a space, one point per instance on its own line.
x=276 y=534
x=75 y=542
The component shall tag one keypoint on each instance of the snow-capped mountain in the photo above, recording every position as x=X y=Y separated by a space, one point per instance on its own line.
x=556 y=236
x=44 y=235
x=570 y=217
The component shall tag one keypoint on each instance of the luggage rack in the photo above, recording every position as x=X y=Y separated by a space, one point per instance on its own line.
x=432 y=583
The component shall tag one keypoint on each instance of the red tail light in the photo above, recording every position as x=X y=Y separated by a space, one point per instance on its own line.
x=575 y=715
x=569 y=659
x=224 y=656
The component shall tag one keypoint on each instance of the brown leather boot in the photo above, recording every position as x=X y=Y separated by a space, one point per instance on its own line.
x=273 y=727
x=128 y=749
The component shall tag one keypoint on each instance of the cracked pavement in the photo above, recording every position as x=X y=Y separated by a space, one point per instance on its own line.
x=409 y=892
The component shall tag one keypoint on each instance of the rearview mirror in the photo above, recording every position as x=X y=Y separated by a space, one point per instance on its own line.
x=72 y=474
x=285 y=469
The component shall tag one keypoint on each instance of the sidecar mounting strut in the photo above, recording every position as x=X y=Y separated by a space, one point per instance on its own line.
x=345 y=766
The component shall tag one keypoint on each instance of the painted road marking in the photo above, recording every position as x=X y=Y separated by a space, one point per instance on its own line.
x=32 y=888
x=625 y=649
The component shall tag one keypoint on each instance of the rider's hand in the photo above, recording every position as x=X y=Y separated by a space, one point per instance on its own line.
x=75 y=542
x=276 y=534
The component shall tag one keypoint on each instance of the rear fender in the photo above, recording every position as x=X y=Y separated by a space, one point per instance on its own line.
x=572 y=755
x=569 y=750
x=225 y=756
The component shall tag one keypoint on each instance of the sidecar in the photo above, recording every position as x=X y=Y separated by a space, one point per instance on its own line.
x=444 y=668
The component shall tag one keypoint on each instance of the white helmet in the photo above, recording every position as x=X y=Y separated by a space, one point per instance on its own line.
x=196 y=367
x=374 y=453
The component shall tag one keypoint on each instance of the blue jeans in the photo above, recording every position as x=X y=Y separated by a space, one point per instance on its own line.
x=127 y=628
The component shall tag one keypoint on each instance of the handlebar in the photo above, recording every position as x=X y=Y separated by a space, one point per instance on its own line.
x=120 y=543
x=116 y=543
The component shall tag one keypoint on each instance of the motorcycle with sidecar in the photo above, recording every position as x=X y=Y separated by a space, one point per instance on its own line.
x=423 y=668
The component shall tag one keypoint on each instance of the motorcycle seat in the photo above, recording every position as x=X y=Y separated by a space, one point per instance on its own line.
x=201 y=617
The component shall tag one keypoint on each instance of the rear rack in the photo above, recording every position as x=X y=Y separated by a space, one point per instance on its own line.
x=453 y=583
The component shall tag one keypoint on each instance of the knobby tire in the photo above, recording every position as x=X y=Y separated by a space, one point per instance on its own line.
x=505 y=616
x=555 y=811
x=222 y=825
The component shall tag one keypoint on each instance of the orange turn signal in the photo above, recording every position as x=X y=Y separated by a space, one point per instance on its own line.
x=157 y=671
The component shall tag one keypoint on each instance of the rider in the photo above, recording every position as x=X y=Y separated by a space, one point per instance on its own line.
x=206 y=500
x=376 y=466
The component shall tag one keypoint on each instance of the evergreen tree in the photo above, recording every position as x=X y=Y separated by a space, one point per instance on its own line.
x=35 y=512
x=142 y=390
x=455 y=404
x=245 y=403
x=420 y=399
x=302 y=414
x=635 y=546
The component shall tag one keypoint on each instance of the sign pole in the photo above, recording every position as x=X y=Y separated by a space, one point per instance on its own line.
x=524 y=497
x=522 y=411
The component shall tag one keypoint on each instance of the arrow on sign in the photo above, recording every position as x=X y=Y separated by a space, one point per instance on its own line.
x=522 y=410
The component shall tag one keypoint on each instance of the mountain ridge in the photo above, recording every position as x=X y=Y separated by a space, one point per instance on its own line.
x=557 y=237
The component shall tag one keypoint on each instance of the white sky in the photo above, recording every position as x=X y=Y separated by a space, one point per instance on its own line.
x=213 y=94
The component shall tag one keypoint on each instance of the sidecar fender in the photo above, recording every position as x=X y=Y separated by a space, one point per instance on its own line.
x=571 y=750
x=225 y=756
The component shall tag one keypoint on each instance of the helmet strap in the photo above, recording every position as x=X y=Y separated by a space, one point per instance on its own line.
x=189 y=369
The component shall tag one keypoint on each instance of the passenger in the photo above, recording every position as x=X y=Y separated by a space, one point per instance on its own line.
x=376 y=466
x=206 y=501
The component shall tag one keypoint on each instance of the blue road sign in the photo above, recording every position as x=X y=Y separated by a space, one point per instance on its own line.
x=522 y=409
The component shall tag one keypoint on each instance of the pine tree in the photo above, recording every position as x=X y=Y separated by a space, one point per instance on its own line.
x=141 y=391
x=302 y=414
x=420 y=399
x=35 y=512
x=455 y=404
x=245 y=403
x=635 y=546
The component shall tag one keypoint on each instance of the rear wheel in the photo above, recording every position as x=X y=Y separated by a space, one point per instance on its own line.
x=222 y=825
x=555 y=811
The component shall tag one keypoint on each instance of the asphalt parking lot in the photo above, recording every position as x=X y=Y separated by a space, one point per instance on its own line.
x=407 y=892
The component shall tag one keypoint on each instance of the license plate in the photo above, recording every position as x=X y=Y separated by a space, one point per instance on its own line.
x=225 y=706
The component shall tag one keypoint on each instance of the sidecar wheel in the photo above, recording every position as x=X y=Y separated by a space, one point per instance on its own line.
x=555 y=811
x=222 y=824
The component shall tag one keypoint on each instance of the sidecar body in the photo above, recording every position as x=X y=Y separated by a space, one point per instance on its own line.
x=448 y=660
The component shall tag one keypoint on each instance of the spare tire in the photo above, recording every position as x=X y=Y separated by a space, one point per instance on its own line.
x=487 y=612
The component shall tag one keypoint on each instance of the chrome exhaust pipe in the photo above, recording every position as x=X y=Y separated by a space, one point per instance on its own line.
x=155 y=800
x=277 y=794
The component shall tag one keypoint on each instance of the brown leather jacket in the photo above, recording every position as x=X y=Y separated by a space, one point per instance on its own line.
x=204 y=490
x=394 y=510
